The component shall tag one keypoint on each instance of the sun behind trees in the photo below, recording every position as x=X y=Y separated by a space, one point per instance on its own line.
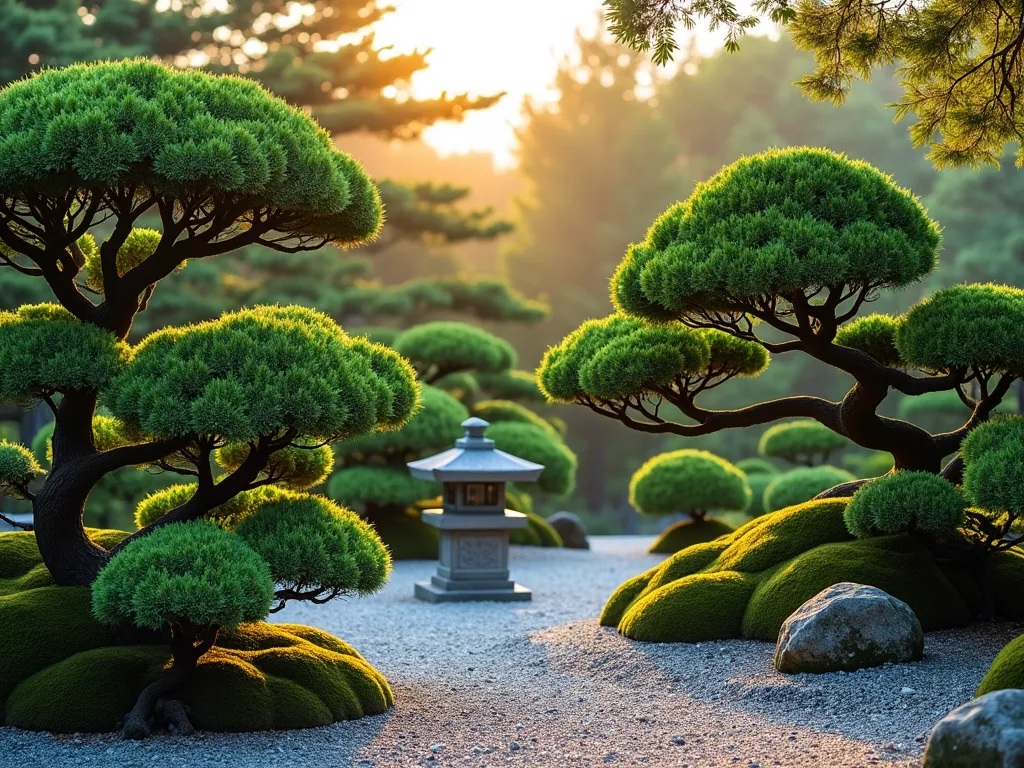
x=222 y=164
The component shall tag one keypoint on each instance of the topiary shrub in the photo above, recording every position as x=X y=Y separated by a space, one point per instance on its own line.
x=70 y=673
x=754 y=466
x=803 y=484
x=905 y=502
x=804 y=442
x=1007 y=670
x=758 y=484
x=690 y=481
x=746 y=583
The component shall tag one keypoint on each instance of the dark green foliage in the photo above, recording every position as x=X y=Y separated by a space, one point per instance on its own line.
x=903 y=502
x=537 y=533
x=874 y=335
x=965 y=325
x=800 y=485
x=444 y=347
x=540 y=446
x=688 y=481
x=184 y=573
x=260 y=372
x=994 y=435
x=407 y=537
x=66 y=674
x=801 y=442
x=312 y=544
x=873 y=464
x=1007 y=670
x=494 y=411
x=18 y=468
x=137 y=122
x=754 y=466
x=778 y=222
x=685 y=534
x=434 y=426
x=137 y=247
x=746 y=583
x=44 y=349
x=295 y=467
x=616 y=356
x=385 y=486
x=157 y=504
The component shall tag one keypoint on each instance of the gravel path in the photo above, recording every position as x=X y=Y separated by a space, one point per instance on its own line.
x=541 y=684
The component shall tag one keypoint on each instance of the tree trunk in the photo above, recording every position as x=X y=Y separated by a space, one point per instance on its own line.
x=911 y=447
x=186 y=649
x=71 y=557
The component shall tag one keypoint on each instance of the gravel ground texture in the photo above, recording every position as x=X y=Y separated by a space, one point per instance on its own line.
x=541 y=684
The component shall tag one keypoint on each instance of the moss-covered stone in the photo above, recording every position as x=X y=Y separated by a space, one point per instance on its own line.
x=679 y=536
x=745 y=583
x=64 y=672
x=1007 y=670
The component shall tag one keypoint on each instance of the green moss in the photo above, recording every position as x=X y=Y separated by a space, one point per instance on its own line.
x=1007 y=670
x=897 y=564
x=681 y=535
x=704 y=606
x=64 y=673
x=776 y=562
x=537 y=533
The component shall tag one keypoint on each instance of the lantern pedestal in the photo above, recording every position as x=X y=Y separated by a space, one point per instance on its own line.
x=473 y=558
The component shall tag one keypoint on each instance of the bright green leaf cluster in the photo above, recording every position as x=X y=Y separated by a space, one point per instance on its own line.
x=238 y=507
x=380 y=485
x=184 y=572
x=509 y=385
x=965 y=326
x=435 y=426
x=688 y=480
x=451 y=345
x=754 y=466
x=873 y=335
x=539 y=445
x=45 y=349
x=800 y=441
x=137 y=247
x=803 y=484
x=260 y=372
x=619 y=356
x=785 y=221
x=138 y=123
x=905 y=501
x=993 y=456
x=296 y=467
x=312 y=543
x=18 y=467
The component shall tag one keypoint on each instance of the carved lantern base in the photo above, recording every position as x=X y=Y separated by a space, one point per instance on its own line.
x=473 y=558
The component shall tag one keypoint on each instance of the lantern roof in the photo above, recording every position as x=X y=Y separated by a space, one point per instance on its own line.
x=475 y=458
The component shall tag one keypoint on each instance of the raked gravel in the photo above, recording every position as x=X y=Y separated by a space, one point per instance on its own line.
x=541 y=684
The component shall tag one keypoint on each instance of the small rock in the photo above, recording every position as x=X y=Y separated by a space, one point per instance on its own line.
x=435 y=748
x=984 y=733
x=515 y=746
x=570 y=528
x=848 y=626
x=906 y=690
x=678 y=740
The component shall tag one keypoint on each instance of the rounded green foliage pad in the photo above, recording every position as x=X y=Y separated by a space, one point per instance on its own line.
x=68 y=674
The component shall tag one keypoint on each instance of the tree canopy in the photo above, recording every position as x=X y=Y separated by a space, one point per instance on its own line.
x=688 y=481
x=801 y=442
x=957 y=64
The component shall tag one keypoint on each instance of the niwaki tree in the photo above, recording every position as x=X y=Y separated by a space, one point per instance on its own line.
x=777 y=255
x=220 y=164
x=803 y=442
x=958 y=62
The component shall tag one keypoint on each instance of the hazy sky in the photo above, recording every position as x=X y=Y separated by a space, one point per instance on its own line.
x=487 y=46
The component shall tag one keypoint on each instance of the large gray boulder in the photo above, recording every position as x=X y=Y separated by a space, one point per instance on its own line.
x=846 y=627
x=984 y=733
x=570 y=528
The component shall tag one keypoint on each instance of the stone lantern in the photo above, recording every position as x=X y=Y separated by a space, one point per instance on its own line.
x=474 y=523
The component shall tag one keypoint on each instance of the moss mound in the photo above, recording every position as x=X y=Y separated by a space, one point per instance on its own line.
x=687 y=533
x=745 y=583
x=537 y=533
x=1007 y=670
x=64 y=672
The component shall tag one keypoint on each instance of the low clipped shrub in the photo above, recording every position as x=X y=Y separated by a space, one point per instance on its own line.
x=904 y=502
x=754 y=466
x=687 y=533
x=804 y=441
x=1007 y=670
x=758 y=484
x=803 y=484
